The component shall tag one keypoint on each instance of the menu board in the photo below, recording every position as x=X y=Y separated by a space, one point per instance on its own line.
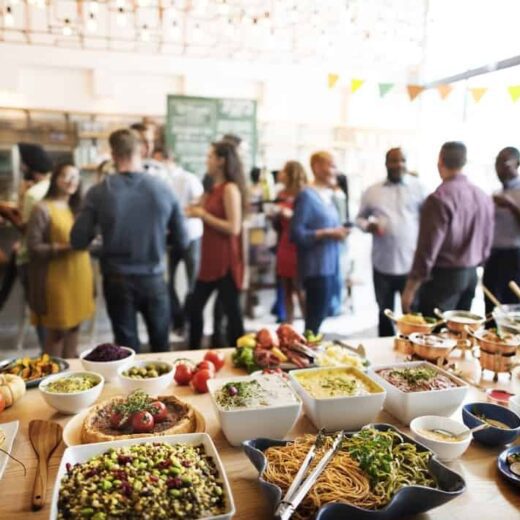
x=194 y=122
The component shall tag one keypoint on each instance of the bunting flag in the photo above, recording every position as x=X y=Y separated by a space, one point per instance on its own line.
x=477 y=93
x=332 y=79
x=444 y=90
x=385 y=88
x=514 y=92
x=414 y=91
x=356 y=84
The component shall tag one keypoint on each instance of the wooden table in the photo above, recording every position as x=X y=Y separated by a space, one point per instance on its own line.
x=487 y=496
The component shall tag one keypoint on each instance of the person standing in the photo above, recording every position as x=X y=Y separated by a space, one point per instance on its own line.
x=294 y=179
x=134 y=213
x=455 y=236
x=317 y=232
x=503 y=265
x=61 y=287
x=390 y=211
x=222 y=266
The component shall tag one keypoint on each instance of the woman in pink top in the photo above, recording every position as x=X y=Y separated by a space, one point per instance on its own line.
x=222 y=264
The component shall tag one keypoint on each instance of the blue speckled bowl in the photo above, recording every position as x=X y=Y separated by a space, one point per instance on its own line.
x=491 y=436
x=409 y=500
x=503 y=466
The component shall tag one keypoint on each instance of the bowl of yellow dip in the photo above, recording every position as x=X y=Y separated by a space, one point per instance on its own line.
x=338 y=397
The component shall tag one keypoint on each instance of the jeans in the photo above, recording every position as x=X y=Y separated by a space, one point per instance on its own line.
x=385 y=287
x=449 y=288
x=503 y=265
x=191 y=258
x=229 y=297
x=318 y=293
x=125 y=296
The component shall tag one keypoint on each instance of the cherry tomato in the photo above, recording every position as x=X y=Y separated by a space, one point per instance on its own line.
x=206 y=365
x=215 y=357
x=118 y=420
x=183 y=374
x=159 y=411
x=142 y=422
x=199 y=383
x=2 y=403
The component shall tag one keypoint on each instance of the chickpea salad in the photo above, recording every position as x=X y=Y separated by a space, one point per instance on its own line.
x=148 y=481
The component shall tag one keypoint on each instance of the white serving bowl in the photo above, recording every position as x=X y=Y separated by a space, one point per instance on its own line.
x=337 y=413
x=82 y=453
x=150 y=385
x=406 y=406
x=242 y=424
x=514 y=404
x=108 y=369
x=71 y=403
x=446 y=451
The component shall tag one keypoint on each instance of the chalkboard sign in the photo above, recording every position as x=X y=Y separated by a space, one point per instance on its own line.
x=194 y=122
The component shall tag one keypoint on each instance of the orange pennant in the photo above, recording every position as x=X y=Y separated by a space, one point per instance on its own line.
x=414 y=91
x=332 y=79
x=444 y=90
x=477 y=93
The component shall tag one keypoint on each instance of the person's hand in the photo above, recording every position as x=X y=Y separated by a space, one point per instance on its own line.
x=287 y=212
x=195 y=212
x=408 y=295
x=373 y=227
x=61 y=247
x=504 y=201
x=339 y=233
x=11 y=214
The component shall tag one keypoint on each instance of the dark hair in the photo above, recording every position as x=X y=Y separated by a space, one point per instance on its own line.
x=139 y=127
x=233 y=169
x=52 y=193
x=232 y=138
x=254 y=174
x=397 y=148
x=512 y=151
x=453 y=155
x=124 y=143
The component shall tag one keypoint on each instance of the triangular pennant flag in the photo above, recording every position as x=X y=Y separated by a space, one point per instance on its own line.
x=332 y=79
x=356 y=84
x=385 y=88
x=478 y=93
x=514 y=92
x=444 y=90
x=414 y=91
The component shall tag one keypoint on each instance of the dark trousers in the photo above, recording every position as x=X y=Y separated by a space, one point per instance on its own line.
x=229 y=297
x=125 y=296
x=191 y=258
x=220 y=324
x=503 y=265
x=448 y=289
x=318 y=294
x=385 y=287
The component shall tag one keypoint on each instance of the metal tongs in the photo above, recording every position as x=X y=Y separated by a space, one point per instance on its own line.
x=298 y=489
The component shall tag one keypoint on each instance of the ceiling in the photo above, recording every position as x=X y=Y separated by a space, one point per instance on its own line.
x=359 y=34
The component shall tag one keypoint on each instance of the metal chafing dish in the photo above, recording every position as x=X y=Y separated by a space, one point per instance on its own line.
x=507 y=346
x=461 y=321
x=431 y=347
x=406 y=328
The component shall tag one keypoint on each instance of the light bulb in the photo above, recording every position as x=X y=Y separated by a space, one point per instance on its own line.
x=8 y=17
x=121 y=18
x=92 y=23
x=174 y=29
x=67 y=29
x=145 y=34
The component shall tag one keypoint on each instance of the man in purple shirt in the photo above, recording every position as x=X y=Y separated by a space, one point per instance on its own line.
x=455 y=236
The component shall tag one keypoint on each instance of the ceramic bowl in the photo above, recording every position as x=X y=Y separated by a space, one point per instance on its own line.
x=108 y=369
x=150 y=385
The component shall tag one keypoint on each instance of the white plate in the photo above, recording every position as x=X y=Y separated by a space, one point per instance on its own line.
x=10 y=429
x=85 y=452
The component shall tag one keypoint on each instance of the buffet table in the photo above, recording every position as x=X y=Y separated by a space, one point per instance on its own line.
x=487 y=494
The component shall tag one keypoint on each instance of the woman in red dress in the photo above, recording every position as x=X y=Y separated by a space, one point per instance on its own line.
x=222 y=263
x=294 y=178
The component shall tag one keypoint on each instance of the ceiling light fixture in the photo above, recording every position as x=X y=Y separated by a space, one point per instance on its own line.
x=121 y=17
x=8 y=17
x=92 y=23
x=67 y=29
x=145 y=34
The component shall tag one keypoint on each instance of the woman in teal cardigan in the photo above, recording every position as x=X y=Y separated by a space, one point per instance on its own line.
x=316 y=231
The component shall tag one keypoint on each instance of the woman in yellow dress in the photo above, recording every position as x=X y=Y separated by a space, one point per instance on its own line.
x=61 y=289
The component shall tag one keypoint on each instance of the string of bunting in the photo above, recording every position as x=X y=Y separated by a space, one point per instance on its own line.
x=414 y=91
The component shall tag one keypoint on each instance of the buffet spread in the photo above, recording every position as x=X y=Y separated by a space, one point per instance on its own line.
x=393 y=428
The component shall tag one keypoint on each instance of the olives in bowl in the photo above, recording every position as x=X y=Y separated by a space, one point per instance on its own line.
x=151 y=376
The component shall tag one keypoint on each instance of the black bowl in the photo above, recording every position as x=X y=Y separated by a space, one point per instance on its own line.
x=409 y=500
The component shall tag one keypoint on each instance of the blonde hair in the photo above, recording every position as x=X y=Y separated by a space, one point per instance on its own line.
x=296 y=176
x=320 y=156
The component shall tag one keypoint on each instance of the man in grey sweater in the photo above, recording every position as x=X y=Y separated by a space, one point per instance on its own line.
x=135 y=213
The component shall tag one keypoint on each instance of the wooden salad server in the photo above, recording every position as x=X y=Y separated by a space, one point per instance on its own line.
x=45 y=437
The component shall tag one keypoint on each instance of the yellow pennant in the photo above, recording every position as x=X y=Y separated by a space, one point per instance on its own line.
x=332 y=79
x=414 y=91
x=356 y=84
x=478 y=93
x=444 y=90
x=514 y=92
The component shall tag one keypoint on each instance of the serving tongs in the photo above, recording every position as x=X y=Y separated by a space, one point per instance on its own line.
x=298 y=489
x=359 y=350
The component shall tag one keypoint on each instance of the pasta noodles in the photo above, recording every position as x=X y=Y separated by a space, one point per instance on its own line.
x=367 y=471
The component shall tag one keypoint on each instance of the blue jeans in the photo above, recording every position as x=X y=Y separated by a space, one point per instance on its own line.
x=125 y=296
x=318 y=293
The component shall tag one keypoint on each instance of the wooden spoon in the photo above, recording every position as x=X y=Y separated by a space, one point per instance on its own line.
x=514 y=287
x=491 y=296
x=45 y=437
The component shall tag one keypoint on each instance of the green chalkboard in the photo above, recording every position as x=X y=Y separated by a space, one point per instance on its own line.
x=194 y=122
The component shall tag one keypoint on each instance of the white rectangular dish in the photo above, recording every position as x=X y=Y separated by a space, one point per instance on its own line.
x=241 y=424
x=406 y=406
x=342 y=412
x=79 y=454
x=10 y=429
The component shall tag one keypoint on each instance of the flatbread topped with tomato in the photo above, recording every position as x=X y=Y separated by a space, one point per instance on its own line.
x=138 y=415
